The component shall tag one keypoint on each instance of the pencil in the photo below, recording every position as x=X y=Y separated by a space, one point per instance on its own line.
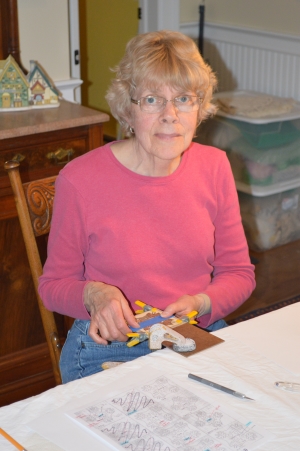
x=11 y=440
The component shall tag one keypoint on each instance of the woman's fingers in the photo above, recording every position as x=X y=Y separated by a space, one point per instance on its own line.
x=128 y=315
x=95 y=334
x=110 y=313
x=104 y=331
x=111 y=323
x=184 y=305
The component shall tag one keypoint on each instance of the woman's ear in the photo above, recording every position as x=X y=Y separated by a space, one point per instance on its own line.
x=130 y=121
x=129 y=118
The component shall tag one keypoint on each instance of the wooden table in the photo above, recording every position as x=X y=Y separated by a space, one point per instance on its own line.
x=43 y=140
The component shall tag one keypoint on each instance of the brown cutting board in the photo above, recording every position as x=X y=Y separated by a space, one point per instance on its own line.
x=203 y=339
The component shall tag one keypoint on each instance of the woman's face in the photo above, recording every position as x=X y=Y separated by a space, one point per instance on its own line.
x=163 y=136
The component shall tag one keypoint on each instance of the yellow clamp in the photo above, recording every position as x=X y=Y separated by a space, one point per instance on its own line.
x=136 y=337
x=188 y=318
x=145 y=307
x=133 y=342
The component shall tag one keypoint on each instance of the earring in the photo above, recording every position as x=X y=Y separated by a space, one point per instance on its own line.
x=131 y=129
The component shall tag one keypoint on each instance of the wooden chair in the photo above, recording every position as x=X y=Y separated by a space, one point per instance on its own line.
x=34 y=202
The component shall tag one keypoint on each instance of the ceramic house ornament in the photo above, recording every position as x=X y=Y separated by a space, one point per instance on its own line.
x=21 y=92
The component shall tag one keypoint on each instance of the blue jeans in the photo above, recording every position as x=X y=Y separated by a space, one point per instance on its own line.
x=220 y=324
x=81 y=356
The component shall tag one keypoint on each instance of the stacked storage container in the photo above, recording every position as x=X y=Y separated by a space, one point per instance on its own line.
x=265 y=158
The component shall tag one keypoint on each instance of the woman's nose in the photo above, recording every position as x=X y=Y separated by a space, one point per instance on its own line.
x=170 y=111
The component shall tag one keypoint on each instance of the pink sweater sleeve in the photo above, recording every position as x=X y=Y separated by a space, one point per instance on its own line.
x=233 y=276
x=62 y=283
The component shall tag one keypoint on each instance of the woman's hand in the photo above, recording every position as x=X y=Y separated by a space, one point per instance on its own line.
x=110 y=313
x=186 y=304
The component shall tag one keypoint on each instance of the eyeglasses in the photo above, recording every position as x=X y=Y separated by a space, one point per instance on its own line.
x=155 y=104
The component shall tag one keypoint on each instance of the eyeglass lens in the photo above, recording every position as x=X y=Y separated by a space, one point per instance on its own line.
x=154 y=104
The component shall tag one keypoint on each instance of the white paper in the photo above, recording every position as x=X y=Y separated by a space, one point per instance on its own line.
x=162 y=415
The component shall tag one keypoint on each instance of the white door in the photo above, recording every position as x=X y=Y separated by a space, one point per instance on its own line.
x=159 y=15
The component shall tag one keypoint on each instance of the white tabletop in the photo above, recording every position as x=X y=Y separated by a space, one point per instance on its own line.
x=275 y=335
x=245 y=361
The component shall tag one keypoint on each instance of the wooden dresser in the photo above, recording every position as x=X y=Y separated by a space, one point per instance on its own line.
x=43 y=141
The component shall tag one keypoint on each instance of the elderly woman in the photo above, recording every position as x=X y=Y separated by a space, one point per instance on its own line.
x=154 y=217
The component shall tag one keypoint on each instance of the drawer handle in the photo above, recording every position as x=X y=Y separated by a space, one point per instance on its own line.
x=61 y=154
x=18 y=157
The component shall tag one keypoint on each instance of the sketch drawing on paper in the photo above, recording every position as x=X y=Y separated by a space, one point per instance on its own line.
x=163 y=416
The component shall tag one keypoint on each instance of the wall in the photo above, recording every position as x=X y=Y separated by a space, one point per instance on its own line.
x=44 y=35
x=247 y=50
x=105 y=28
x=278 y=16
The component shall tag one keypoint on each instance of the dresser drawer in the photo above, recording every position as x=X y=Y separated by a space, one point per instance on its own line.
x=42 y=155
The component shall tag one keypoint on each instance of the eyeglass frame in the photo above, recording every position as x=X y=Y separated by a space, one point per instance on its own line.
x=138 y=102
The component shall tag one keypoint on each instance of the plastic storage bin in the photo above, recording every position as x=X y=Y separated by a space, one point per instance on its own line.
x=270 y=215
x=265 y=158
x=267 y=135
x=262 y=151
x=252 y=164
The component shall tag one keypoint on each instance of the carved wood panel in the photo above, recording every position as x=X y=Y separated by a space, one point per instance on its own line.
x=39 y=196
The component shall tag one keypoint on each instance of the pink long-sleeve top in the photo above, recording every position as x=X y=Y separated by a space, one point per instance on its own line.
x=155 y=238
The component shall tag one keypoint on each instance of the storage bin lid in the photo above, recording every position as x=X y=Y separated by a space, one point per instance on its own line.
x=280 y=156
x=288 y=109
x=262 y=191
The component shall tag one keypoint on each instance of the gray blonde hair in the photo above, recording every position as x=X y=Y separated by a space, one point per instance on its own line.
x=160 y=58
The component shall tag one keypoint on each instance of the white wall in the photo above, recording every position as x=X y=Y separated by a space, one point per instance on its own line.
x=44 y=25
x=278 y=16
x=44 y=35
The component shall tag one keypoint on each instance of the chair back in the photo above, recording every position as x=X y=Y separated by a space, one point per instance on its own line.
x=34 y=202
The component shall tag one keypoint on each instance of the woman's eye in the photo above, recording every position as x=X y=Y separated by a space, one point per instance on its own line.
x=183 y=99
x=151 y=100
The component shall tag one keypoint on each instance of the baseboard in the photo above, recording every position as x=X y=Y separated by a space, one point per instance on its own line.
x=25 y=373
